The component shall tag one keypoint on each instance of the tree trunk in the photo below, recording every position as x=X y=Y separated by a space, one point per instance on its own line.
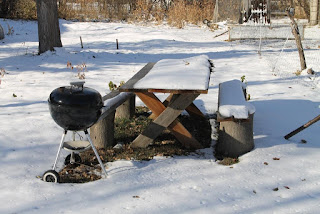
x=102 y=133
x=127 y=109
x=296 y=33
x=1 y=33
x=4 y=8
x=235 y=138
x=48 y=25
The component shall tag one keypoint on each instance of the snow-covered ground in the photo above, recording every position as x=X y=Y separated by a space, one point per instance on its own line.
x=278 y=176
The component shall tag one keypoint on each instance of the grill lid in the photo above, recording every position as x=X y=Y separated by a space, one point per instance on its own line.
x=75 y=107
x=76 y=96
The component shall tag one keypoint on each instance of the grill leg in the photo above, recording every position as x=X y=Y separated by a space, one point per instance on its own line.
x=96 y=153
x=58 y=153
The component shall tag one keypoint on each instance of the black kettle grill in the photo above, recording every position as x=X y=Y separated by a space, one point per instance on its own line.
x=74 y=108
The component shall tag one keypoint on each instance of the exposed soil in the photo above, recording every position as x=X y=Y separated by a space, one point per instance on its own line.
x=125 y=132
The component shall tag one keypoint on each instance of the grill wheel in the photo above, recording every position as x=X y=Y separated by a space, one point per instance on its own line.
x=51 y=176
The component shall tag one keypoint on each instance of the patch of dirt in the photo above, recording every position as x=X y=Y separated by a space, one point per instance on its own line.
x=125 y=132
x=227 y=161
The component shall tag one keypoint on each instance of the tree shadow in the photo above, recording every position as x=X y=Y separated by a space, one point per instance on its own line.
x=273 y=116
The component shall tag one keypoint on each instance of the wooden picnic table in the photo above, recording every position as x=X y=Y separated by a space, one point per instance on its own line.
x=165 y=114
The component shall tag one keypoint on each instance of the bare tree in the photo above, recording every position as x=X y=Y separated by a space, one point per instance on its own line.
x=296 y=33
x=48 y=25
x=1 y=33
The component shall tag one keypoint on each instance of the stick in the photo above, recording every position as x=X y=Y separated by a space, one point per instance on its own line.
x=221 y=34
x=81 y=42
x=314 y=120
x=117 y=44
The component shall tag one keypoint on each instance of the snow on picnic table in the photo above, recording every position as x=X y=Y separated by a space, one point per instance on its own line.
x=191 y=73
x=278 y=176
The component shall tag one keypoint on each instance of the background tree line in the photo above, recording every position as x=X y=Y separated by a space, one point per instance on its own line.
x=175 y=12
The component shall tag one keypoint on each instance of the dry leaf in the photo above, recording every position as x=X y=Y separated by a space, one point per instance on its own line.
x=135 y=196
x=276 y=158
x=303 y=141
x=286 y=187
x=265 y=163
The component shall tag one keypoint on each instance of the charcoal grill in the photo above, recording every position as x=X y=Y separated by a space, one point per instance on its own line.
x=74 y=108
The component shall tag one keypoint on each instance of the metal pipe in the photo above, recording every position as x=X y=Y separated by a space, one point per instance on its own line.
x=96 y=153
x=60 y=147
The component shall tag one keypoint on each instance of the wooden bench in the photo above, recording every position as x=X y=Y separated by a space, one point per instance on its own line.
x=116 y=105
x=235 y=117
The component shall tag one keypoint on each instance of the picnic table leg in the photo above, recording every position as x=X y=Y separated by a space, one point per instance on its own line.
x=166 y=118
x=192 y=109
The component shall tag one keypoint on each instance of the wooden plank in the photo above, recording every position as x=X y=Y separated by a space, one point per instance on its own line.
x=128 y=86
x=106 y=110
x=112 y=94
x=192 y=109
x=166 y=116
x=165 y=103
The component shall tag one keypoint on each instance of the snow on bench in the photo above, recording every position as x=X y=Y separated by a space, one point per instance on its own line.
x=232 y=101
x=112 y=101
x=235 y=117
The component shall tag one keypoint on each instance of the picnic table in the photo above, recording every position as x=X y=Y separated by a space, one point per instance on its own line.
x=183 y=80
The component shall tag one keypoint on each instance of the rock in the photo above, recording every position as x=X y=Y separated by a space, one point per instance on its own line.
x=310 y=71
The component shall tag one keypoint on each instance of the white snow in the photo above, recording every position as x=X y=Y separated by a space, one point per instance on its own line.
x=112 y=101
x=191 y=73
x=232 y=100
x=29 y=138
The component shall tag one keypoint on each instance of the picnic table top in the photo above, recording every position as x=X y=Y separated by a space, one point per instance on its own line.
x=188 y=75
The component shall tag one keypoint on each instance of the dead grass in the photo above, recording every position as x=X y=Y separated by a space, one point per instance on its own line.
x=127 y=130
x=194 y=12
x=228 y=161
x=177 y=13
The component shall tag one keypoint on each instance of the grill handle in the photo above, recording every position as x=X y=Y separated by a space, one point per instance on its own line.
x=78 y=84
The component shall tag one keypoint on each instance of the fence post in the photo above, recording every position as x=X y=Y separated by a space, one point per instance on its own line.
x=313 y=12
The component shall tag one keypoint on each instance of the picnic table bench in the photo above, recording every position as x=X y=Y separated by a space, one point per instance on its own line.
x=235 y=117
x=184 y=80
x=102 y=132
